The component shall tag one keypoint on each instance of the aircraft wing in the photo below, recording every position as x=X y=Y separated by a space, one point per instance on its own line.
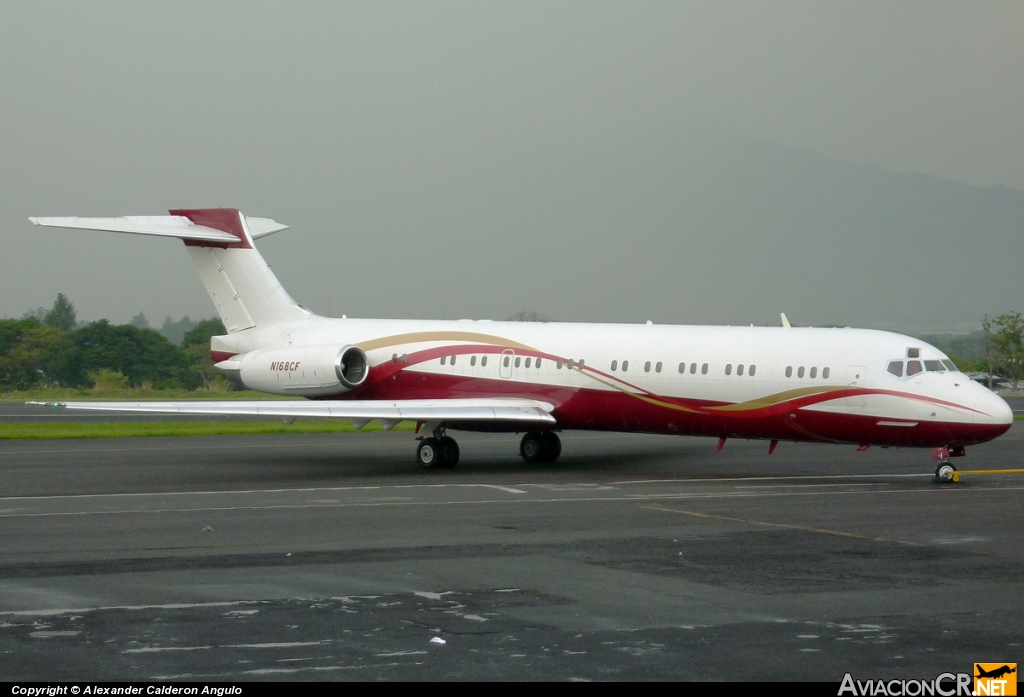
x=526 y=411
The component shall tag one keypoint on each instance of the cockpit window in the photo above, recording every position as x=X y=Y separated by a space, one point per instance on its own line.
x=934 y=366
x=896 y=368
x=913 y=353
x=950 y=365
x=914 y=367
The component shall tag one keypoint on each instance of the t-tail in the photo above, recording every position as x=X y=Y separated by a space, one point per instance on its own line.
x=220 y=241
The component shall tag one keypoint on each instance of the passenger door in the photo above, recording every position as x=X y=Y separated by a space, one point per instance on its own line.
x=505 y=367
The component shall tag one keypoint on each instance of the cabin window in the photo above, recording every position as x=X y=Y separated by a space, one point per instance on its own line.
x=682 y=368
x=580 y=364
x=472 y=360
x=394 y=358
x=693 y=369
x=443 y=359
x=704 y=369
x=914 y=367
x=913 y=353
x=453 y=360
x=537 y=364
x=558 y=364
x=789 y=371
x=615 y=365
x=506 y=361
x=647 y=367
x=800 y=372
x=739 y=369
x=483 y=360
x=528 y=361
x=814 y=372
x=625 y=366
x=518 y=360
x=824 y=373
x=753 y=369
x=657 y=367
x=405 y=358
x=569 y=364
x=728 y=368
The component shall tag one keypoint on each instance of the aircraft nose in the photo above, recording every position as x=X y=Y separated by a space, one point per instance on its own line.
x=994 y=409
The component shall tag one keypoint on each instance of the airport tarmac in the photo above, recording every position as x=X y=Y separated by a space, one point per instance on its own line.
x=332 y=557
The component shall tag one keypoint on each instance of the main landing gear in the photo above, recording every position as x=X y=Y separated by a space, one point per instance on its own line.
x=540 y=446
x=440 y=451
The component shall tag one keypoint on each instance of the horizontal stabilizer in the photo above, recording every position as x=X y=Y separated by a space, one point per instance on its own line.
x=496 y=409
x=177 y=226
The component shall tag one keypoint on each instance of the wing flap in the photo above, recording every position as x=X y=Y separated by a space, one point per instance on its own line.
x=509 y=410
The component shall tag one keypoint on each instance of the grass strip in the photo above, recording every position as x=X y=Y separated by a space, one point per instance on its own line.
x=162 y=429
x=131 y=395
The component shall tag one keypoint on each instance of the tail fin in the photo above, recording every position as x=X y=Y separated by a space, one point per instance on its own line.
x=220 y=241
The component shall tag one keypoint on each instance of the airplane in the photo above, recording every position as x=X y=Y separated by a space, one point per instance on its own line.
x=832 y=385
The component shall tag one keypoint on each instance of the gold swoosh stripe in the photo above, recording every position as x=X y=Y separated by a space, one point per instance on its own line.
x=777 y=398
x=420 y=337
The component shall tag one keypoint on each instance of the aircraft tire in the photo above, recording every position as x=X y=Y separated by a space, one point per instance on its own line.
x=552 y=446
x=532 y=447
x=449 y=452
x=944 y=473
x=430 y=453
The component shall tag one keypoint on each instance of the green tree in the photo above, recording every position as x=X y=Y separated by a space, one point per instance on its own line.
x=202 y=331
x=139 y=321
x=196 y=344
x=62 y=315
x=1006 y=345
x=22 y=345
x=141 y=355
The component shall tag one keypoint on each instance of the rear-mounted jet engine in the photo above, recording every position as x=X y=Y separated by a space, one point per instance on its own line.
x=312 y=371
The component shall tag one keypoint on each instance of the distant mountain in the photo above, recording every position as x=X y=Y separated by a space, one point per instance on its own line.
x=675 y=225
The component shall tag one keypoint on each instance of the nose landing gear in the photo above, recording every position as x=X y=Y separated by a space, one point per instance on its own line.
x=944 y=473
x=945 y=470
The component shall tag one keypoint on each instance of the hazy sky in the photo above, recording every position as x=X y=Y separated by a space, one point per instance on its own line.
x=474 y=159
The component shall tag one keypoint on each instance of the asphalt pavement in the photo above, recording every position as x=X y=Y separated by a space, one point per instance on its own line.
x=335 y=557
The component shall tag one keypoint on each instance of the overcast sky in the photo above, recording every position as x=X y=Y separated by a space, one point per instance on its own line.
x=473 y=159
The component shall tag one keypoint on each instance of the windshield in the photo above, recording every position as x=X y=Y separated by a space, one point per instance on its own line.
x=913 y=365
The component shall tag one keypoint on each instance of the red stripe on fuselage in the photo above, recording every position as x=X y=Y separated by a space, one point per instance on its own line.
x=609 y=410
x=646 y=412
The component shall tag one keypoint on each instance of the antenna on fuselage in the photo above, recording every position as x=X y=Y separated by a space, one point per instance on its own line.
x=785 y=320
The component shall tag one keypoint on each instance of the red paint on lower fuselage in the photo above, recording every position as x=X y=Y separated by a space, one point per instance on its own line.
x=605 y=410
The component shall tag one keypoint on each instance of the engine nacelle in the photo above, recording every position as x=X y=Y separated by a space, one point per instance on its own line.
x=309 y=371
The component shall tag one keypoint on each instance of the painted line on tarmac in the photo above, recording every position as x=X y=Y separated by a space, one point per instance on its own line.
x=594 y=499
x=229 y=492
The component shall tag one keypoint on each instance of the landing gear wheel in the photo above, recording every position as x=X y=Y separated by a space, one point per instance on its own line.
x=450 y=452
x=430 y=453
x=531 y=447
x=552 y=446
x=540 y=447
x=944 y=473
